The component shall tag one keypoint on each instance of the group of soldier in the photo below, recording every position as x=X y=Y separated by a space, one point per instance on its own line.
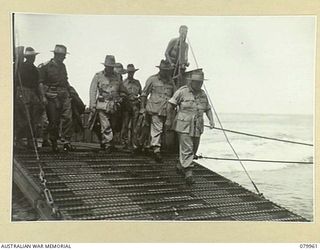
x=120 y=110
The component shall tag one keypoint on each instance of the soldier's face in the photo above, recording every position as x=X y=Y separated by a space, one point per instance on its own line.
x=183 y=33
x=164 y=73
x=196 y=85
x=130 y=74
x=108 y=69
x=31 y=59
x=59 y=57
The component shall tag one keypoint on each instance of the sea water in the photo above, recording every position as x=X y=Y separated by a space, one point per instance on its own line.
x=290 y=185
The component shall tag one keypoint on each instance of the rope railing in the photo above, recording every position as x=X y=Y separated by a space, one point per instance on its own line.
x=253 y=160
x=227 y=139
x=263 y=137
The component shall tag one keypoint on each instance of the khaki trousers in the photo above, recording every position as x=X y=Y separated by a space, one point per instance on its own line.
x=188 y=147
x=157 y=123
x=59 y=111
x=105 y=128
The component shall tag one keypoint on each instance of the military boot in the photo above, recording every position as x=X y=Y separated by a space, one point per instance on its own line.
x=179 y=169
x=189 y=177
x=67 y=147
x=54 y=146
x=157 y=157
x=45 y=143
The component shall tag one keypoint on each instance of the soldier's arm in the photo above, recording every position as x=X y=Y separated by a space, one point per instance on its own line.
x=67 y=82
x=145 y=92
x=93 y=92
x=42 y=87
x=210 y=117
x=186 y=55
x=123 y=90
x=42 y=92
x=169 y=47
x=42 y=73
x=172 y=103
x=209 y=112
x=140 y=88
x=170 y=112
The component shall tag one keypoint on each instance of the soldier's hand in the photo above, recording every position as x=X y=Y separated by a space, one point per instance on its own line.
x=93 y=109
x=211 y=124
x=44 y=101
x=168 y=125
x=142 y=110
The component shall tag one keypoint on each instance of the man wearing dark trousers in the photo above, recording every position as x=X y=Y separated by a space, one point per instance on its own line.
x=53 y=75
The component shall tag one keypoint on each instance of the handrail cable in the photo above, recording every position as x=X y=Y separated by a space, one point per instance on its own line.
x=254 y=160
x=234 y=151
x=263 y=137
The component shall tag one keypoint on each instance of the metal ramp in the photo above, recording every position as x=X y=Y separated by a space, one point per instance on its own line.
x=90 y=185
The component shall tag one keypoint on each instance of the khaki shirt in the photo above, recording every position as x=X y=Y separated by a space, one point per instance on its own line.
x=133 y=87
x=160 y=92
x=191 y=105
x=53 y=74
x=105 y=88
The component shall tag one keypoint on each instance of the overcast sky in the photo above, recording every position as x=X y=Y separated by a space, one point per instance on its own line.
x=254 y=64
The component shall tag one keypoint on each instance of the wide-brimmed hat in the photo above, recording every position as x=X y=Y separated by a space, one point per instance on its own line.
x=60 y=49
x=165 y=65
x=119 y=69
x=109 y=61
x=195 y=75
x=131 y=68
x=30 y=52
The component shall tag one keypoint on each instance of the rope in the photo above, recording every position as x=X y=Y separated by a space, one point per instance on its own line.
x=254 y=160
x=260 y=136
x=211 y=104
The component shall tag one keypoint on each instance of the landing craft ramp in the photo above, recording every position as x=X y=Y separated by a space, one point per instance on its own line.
x=87 y=185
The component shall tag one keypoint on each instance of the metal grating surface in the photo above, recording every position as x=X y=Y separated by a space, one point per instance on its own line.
x=88 y=185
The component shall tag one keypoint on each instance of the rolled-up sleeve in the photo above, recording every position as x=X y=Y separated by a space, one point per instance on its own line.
x=176 y=98
x=147 y=88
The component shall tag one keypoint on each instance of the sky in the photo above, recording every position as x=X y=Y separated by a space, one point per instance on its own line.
x=255 y=64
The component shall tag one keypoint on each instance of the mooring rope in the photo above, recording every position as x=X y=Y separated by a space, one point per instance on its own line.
x=234 y=151
x=263 y=137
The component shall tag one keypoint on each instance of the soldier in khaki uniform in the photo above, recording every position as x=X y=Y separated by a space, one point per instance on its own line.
x=29 y=98
x=160 y=87
x=131 y=108
x=53 y=75
x=106 y=94
x=192 y=102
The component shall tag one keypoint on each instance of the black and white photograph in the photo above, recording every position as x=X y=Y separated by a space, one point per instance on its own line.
x=163 y=118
